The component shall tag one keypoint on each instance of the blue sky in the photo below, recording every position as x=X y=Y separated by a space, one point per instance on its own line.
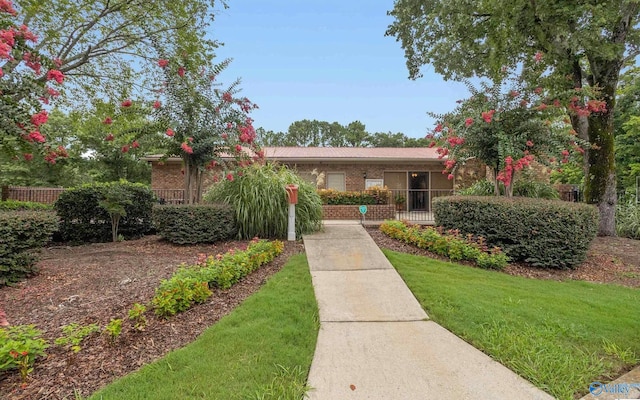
x=327 y=60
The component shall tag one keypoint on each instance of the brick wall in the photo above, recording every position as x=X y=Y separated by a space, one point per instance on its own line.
x=374 y=212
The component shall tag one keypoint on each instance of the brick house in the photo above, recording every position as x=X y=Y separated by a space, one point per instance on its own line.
x=412 y=173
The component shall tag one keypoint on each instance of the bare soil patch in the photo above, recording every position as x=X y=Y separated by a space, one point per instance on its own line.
x=97 y=282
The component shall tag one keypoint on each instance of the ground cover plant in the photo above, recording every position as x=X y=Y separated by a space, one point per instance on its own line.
x=262 y=350
x=561 y=336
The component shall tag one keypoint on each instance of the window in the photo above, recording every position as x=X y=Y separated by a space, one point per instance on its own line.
x=335 y=180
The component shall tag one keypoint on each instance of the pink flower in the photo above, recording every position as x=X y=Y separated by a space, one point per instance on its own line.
x=55 y=75
x=126 y=103
x=238 y=148
x=109 y=137
x=432 y=144
x=224 y=135
x=227 y=97
x=8 y=36
x=468 y=122
x=36 y=136
x=450 y=177
x=39 y=118
x=156 y=104
x=514 y=93
x=170 y=132
x=7 y=7
x=57 y=62
x=230 y=177
x=1 y=73
x=529 y=143
x=5 y=51
x=537 y=90
x=52 y=92
x=163 y=63
x=181 y=71
x=438 y=128
x=186 y=148
x=538 y=56
x=107 y=121
x=28 y=156
x=27 y=34
x=125 y=149
x=488 y=115
x=229 y=126
x=135 y=144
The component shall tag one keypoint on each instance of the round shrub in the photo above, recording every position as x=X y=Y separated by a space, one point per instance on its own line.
x=22 y=233
x=259 y=199
x=83 y=219
x=544 y=233
x=194 y=223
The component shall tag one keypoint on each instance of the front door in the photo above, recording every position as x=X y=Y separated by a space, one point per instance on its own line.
x=418 y=191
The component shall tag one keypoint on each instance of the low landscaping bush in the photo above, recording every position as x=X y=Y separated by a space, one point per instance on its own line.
x=22 y=234
x=450 y=245
x=259 y=199
x=15 y=205
x=191 y=284
x=19 y=347
x=521 y=188
x=196 y=223
x=543 y=233
x=370 y=196
x=84 y=219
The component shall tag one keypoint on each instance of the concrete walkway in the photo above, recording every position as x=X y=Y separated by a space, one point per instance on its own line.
x=375 y=340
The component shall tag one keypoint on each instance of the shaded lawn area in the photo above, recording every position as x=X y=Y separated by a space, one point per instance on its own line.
x=561 y=336
x=262 y=350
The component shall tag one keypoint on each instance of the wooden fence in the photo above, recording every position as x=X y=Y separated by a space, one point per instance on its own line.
x=50 y=195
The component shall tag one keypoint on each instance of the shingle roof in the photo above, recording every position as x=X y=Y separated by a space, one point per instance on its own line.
x=318 y=154
x=351 y=153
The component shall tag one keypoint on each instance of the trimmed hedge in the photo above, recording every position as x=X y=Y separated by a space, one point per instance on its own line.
x=198 y=223
x=15 y=205
x=543 y=233
x=82 y=219
x=350 y=198
x=22 y=233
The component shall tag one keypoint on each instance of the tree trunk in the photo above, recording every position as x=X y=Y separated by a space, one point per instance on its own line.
x=600 y=182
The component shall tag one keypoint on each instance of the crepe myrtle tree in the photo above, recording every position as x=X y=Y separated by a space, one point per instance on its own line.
x=208 y=124
x=28 y=81
x=507 y=129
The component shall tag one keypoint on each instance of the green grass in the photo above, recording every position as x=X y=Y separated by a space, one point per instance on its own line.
x=561 y=336
x=262 y=350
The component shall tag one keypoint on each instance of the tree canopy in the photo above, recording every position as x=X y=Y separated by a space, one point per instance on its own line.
x=583 y=44
x=106 y=47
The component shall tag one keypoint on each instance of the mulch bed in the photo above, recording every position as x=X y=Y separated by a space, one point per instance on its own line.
x=95 y=283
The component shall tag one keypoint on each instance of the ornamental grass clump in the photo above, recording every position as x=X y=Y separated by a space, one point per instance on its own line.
x=451 y=244
x=259 y=199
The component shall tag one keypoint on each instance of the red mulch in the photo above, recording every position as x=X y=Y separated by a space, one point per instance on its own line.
x=97 y=282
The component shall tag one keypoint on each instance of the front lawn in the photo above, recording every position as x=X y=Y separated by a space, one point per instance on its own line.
x=262 y=350
x=561 y=336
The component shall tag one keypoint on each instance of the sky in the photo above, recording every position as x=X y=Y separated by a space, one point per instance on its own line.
x=327 y=60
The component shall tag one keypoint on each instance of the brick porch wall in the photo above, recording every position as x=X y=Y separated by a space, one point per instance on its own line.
x=374 y=212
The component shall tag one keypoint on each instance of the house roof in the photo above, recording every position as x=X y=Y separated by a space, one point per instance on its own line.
x=341 y=154
x=351 y=153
